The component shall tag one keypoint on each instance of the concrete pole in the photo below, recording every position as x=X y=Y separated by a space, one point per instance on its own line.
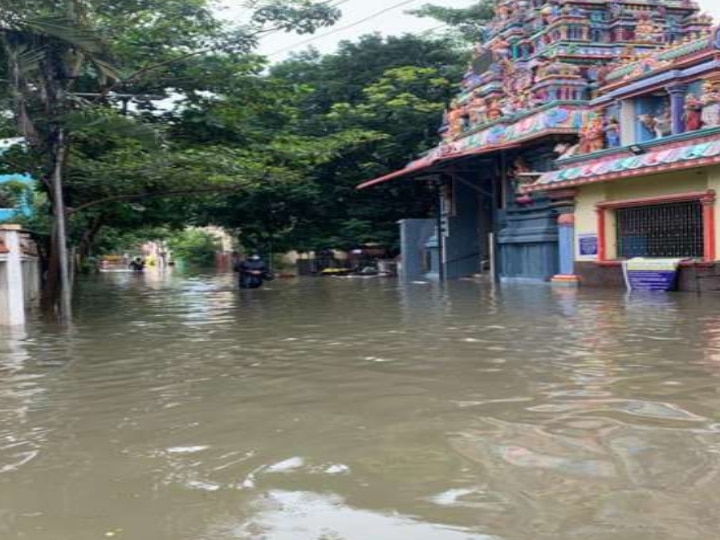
x=13 y=313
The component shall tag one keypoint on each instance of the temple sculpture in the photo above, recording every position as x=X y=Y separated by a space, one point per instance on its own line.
x=648 y=191
x=541 y=52
x=539 y=91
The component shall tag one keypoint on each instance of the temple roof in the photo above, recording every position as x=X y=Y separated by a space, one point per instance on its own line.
x=659 y=160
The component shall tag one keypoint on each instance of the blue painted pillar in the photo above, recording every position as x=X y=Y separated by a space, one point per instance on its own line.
x=566 y=237
x=677 y=106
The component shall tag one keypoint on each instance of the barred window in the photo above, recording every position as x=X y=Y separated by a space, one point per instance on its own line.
x=673 y=230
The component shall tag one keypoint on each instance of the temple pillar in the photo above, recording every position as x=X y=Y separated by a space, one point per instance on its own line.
x=566 y=237
x=565 y=205
x=678 y=94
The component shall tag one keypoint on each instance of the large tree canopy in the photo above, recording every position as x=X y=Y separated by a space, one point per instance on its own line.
x=168 y=121
x=83 y=82
x=392 y=91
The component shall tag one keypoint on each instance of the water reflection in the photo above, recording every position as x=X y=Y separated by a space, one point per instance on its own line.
x=179 y=408
x=284 y=515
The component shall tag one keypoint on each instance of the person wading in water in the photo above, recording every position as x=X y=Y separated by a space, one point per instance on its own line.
x=253 y=272
x=137 y=265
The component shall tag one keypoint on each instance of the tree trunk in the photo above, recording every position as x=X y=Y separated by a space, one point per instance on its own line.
x=59 y=243
x=51 y=282
x=84 y=249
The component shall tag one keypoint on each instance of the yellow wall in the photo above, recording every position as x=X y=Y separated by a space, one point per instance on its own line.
x=655 y=186
x=635 y=188
x=585 y=214
x=714 y=183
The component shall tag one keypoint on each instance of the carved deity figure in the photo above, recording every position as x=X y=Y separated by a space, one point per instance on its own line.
x=663 y=123
x=693 y=113
x=646 y=31
x=503 y=11
x=647 y=121
x=612 y=133
x=659 y=125
x=501 y=49
x=478 y=110
x=455 y=118
x=592 y=135
x=711 y=104
x=495 y=111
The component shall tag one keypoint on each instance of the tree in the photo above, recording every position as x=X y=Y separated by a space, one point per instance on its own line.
x=58 y=59
x=194 y=246
x=467 y=23
x=394 y=90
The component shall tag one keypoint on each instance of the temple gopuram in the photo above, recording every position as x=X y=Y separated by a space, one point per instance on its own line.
x=558 y=90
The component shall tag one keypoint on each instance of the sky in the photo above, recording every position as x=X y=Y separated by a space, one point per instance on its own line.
x=392 y=22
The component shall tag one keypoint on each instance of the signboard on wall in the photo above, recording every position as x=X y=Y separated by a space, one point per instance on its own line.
x=588 y=245
x=653 y=275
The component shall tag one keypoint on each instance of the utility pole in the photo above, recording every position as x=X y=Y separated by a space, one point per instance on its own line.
x=61 y=232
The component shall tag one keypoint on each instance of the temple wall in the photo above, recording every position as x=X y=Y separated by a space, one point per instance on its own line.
x=705 y=275
x=657 y=186
x=589 y=196
x=585 y=214
x=713 y=182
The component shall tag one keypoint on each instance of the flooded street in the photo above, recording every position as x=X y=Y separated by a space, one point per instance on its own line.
x=337 y=409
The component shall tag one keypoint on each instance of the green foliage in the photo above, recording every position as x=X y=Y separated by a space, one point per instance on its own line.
x=173 y=122
x=392 y=91
x=13 y=192
x=194 y=246
x=97 y=72
x=301 y=16
x=114 y=241
x=468 y=24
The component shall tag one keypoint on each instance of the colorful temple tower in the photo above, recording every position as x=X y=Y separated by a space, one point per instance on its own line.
x=642 y=182
x=526 y=99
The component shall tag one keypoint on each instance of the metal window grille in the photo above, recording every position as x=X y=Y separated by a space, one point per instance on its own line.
x=661 y=230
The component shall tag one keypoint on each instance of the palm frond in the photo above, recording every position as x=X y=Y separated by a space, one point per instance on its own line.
x=119 y=126
x=106 y=71
x=67 y=30
x=29 y=59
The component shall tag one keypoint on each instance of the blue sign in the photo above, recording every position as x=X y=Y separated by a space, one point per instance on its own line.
x=652 y=275
x=588 y=244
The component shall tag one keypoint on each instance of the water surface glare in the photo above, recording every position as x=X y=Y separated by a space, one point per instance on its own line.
x=178 y=408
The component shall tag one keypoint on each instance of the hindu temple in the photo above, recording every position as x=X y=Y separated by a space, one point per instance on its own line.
x=555 y=87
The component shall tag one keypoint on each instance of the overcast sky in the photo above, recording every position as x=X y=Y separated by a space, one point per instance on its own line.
x=393 y=22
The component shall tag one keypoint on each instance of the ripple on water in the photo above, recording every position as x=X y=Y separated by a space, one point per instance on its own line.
x=181 y=409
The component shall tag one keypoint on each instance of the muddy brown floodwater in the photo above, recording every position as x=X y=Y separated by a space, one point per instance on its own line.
x=179 y=408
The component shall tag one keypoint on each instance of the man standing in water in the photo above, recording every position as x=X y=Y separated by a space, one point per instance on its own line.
x=253 y=272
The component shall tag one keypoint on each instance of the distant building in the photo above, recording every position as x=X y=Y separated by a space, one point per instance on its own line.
x=531 y=91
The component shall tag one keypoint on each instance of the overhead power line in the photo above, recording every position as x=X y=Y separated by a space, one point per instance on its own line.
x=342 y=28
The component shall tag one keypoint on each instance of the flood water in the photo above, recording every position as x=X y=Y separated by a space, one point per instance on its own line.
x=179 y=408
